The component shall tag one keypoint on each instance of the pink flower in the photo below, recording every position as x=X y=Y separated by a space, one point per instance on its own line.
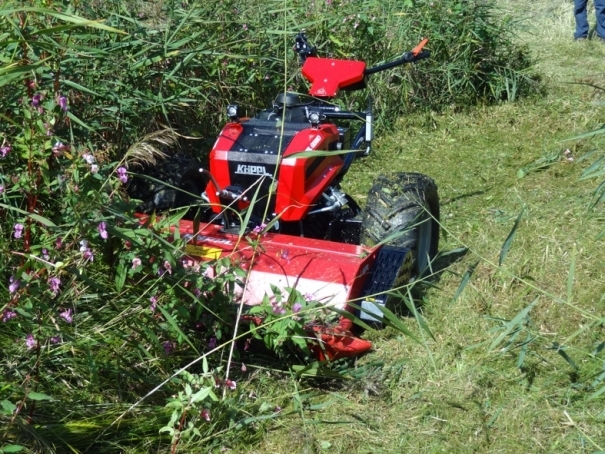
x=122 y=176
x=167 y=347
x=102 y=229
x=86 y=252
x=205 y=414
x=66 y=315
x=59 y=243
x=230 y=384
x=18 y=230
x=296 y=308
x=58 y=149
x=259 y=228
x=45 y=254
x=54 y=283
x=55 y=339
x=4 y=150
x=245 y=27
x=63 y=103
x=13 y=284
x=89 y=158
x=154 y=304
x=1 y=188
x=8 y=315
x=136 y=262
x=212 y=343
x=36 y=100
x=168 y=267
x=30 y=342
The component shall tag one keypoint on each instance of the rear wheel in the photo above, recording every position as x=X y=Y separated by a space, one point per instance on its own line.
x=402 y=209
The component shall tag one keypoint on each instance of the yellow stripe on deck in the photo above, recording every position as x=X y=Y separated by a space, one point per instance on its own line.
x=203 y=251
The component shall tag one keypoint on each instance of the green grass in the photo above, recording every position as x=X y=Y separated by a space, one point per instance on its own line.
x=474 y=387
x=473 y=398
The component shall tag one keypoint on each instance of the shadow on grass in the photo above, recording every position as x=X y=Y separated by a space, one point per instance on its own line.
x=430 y=278
x=464 y=196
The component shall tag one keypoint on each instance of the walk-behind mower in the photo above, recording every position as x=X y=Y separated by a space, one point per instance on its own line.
x=276 y=208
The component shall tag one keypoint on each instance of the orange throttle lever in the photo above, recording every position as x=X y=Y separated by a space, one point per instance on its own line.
x=416 y=50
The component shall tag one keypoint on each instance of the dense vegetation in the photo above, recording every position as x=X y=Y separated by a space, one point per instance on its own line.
x=98 y=314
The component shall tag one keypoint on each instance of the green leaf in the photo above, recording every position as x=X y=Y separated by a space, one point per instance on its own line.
x=566 y=357
x=80 y=122
x=14 y=71
x=409 y=302
x=200 y=395
x=79 y=87
x=514 y=323
x=465 y=280
x=318 y=153
x=76 y=20
x=316 y=369
x=335 y=40
x=38 y=396
x=12 y=448
x=120 y=277
x=592 y=170
x=523 y=352
x=597 y=394
x=174 y=325
x=244 y=224
x=8 y=408
x=35 y=217
x=509 y=240
x=587 y=134
x=571 y=274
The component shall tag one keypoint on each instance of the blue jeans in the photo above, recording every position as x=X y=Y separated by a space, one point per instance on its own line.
x=582 y=18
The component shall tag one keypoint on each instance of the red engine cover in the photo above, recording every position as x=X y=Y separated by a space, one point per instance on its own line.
x=301 y=181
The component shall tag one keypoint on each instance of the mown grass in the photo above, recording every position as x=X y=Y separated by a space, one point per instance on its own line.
x=458 y=392
x=464 y=396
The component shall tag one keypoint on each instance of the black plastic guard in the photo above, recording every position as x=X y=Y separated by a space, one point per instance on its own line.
x=392 y=269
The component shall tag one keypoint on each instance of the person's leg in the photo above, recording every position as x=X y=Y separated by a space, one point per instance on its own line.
x=599 y=6
x=579 y=10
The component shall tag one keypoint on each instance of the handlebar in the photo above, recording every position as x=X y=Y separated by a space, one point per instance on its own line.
x=409 y=57
x=304 y=49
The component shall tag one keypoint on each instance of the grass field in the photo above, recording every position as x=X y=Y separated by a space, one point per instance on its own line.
x=484 y=384
x=513 y=357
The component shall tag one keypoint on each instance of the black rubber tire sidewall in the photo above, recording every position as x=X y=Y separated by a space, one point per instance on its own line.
x=398 y=203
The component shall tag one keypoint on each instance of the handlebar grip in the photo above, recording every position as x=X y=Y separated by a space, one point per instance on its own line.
x=416 y=50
